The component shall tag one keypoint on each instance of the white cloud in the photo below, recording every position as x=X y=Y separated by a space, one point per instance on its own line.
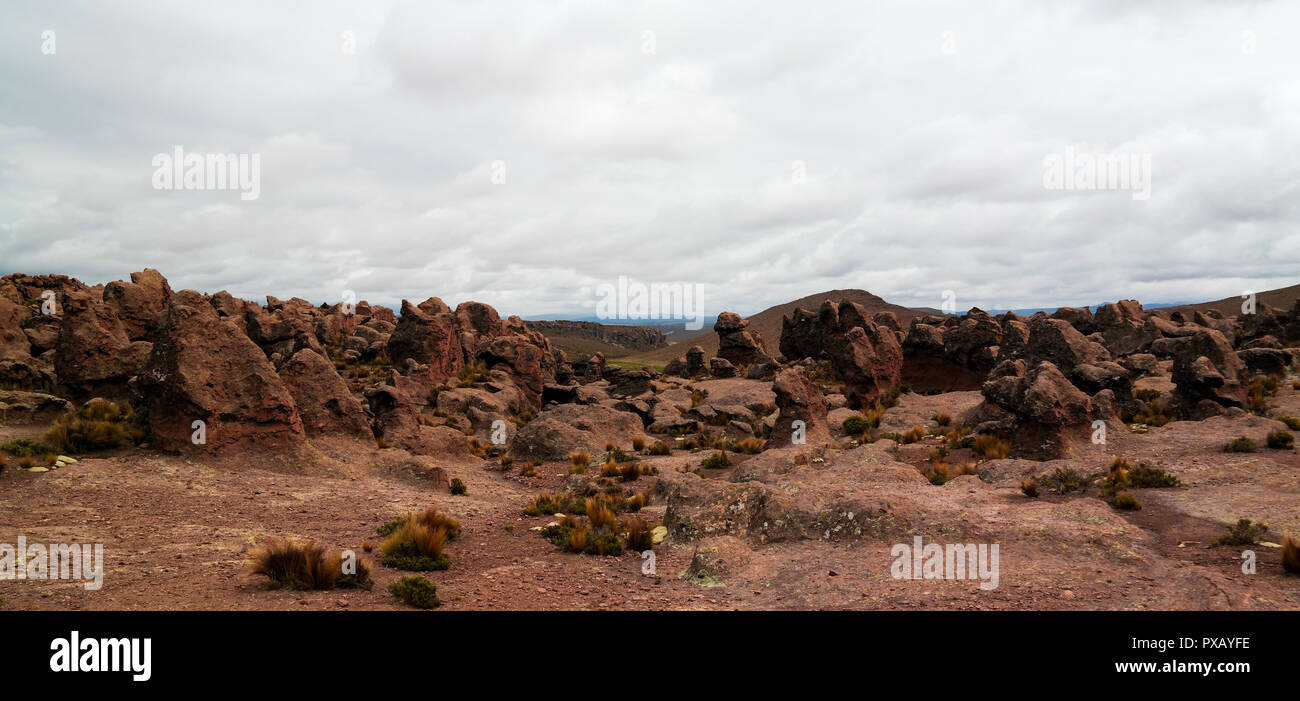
x=923 y=168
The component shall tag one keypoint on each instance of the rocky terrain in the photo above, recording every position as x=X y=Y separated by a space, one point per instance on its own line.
x=590 y=337
x=1108 y=454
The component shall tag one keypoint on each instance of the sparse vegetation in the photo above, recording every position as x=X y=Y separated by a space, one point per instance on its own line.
x=1290 y=555
x=580 y=460
x=1257 y=392
x=1029 y=488
x=913 y=435
x=25 y=447
x=856 y=425
x=638 y=444
x=1291 y=422
x=659 y=448
x=637 y=534
x=457 y=486
x=1240 y=444
x=747 y=446
x=1125 y=502
x=416 y=591
x=1280 y=440
x=415 y=547
x=942 y=419
x=288 y=562
x=98 y=425
x=1243 y=532
x=1064 y=480
x=716 y=461
x=990 y=447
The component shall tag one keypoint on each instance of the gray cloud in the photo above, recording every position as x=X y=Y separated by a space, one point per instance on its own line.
x=924 y=168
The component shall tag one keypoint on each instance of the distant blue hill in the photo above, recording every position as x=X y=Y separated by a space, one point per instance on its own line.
x=1093 y=308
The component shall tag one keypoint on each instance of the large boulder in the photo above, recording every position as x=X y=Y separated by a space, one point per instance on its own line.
x=1206 y=367
x=566 y=428
x=1057 y=342
x=139 y=303
x=324 y=403
x=203 y=368
x=1051 y=416
x=798 y=399
x=1123 y=327
x=738 y=345
x=94 y=353
x=974 y=342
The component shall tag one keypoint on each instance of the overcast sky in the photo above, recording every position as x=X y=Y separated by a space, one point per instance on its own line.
x=765 y=151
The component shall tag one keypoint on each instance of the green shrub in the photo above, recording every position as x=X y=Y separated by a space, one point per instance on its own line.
x=26 y=447
x=1291 y=422
x=716 y=461
x=1243 y=532
x=1281 y=440
x=1064 y=480
x=856 y=425
x=1240 y=444
x=457 y=486
x=1125 y=501
x=416 y=591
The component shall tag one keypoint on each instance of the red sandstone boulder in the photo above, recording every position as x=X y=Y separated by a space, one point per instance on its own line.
x=139 y=303
x=94 y=353
x=324 y=403
x=798 y=399
x=203 y=368
x=1206 y=367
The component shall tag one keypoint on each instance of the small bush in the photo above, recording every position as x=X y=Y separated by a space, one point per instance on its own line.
x=98 y=425
x=1148 y=475
x=1154 y=414
x=659 y=448
x=1281 y=440
x=27 y=462
x=528 y=470
x=288 y=562
x=748 y=446
x=638 y=444
x=25 y=447
x=939 y=475
x=1240 y=444
x=416 y=591
x=1291 y=555
x=942 y=419
x=1064 y=480
x=600 y=515
x=506 y=463
x=637 y=534
x=716 y=461
x=855 y=425
x=1243 y=532
x=1029 y=488
x=415 y=547
x=1125 y=501
x=990 y=447
x=580 y=460
x=913 y=434
x=1291 y=422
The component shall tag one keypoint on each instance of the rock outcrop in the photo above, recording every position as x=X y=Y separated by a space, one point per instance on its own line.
x=204 y=368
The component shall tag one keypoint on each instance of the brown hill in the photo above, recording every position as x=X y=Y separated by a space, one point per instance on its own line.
x=768 y=325
x=1282 y=298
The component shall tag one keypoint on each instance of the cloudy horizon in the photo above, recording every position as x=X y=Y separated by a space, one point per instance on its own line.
x=524 y=154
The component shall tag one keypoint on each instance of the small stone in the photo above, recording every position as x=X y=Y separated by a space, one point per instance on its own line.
x=658 y=534
x=65 y=459
x=39 y=469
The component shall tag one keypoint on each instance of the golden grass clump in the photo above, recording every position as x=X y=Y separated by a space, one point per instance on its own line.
x=581 y=460
x=990 y=447
x=98 y=425
x=289 y=562
x=637 y=534
x=599 y=513
x=1291 y=554
x=415 y=546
